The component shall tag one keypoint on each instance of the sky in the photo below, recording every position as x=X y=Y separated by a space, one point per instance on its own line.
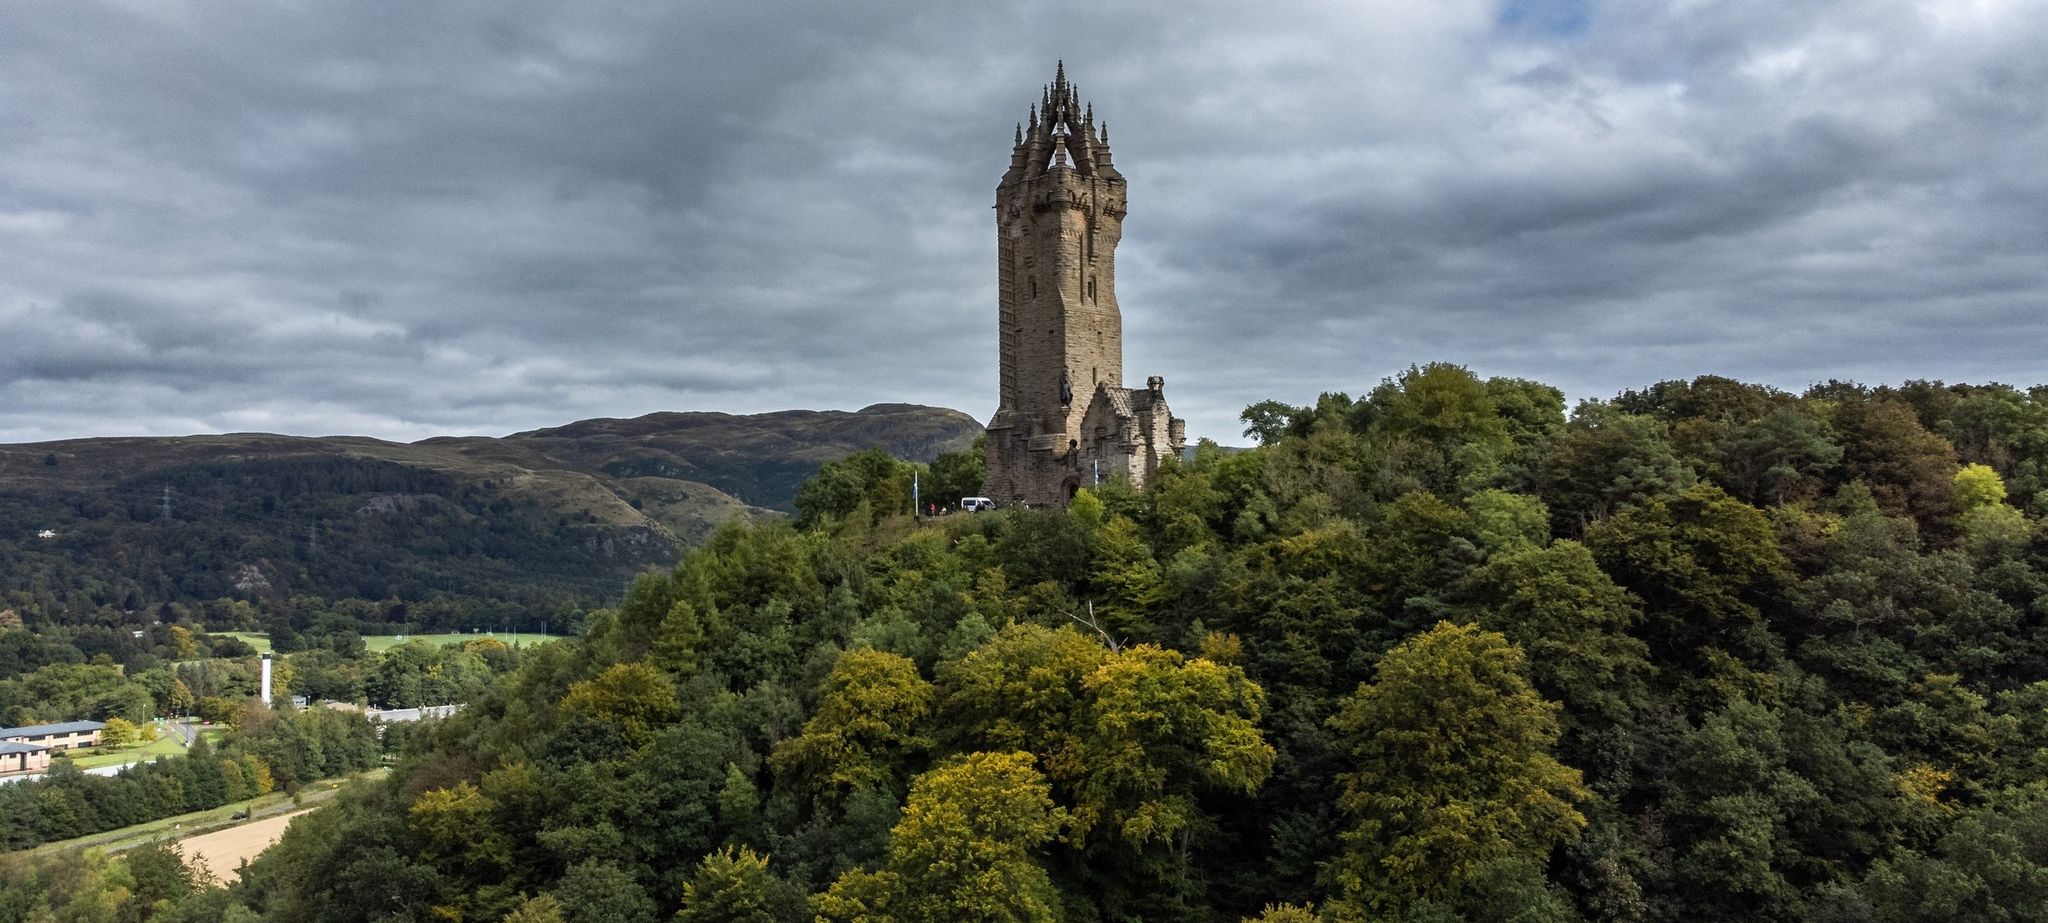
x=405 y=219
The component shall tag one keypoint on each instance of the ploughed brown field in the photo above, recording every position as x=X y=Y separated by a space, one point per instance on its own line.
x=225 y=850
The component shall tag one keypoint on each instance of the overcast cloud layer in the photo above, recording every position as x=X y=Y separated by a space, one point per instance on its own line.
x=403 y=219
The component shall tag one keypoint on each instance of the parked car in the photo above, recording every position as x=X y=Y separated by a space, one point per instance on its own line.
x=976 y=504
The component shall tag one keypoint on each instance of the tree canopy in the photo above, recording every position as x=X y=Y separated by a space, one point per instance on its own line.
x=1706 y=651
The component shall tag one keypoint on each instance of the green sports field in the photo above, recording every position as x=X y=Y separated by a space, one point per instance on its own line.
x=261 y=642
x=164 y=745
x=386 y=642
x=256 y=639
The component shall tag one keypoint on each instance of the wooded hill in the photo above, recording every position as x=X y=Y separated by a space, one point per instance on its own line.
x=1704 y=652
x=531 y=522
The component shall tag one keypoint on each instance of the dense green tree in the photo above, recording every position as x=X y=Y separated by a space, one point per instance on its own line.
x=326 y=675
x=72 y=692
x=1326 y=473
x=1534 y=414
x=160 y=878
x=1730 y=809
x=119 y=732
x=1130 y=736
x=543 y=908
x=1189 y=508
x=1024 y=689
x=1132 y=739
x=599 y=892
x=1286 y=913
x=1706 y=398
x=349 y=861
x=1133 y=589
x=419 y=673
x=1604 y=461
x=1269 y=422
x=1978 y=485
x=1420 y=546
x=1990 y=865
x=2007 y=429
x=868 y=486
x=1500 y=519
x=1441 y=420
x=1909 y=470
x=957 y=474
x=1450 y=771
x=1573 y=622
x=457 y=830
x=1511 y=890
x=1703 y=563
x=1163 y=728
x=1785 y=455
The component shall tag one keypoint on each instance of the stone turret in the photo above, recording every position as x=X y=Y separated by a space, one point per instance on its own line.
x=1059 y=216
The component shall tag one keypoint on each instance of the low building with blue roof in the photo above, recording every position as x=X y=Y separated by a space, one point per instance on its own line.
x=19 y=757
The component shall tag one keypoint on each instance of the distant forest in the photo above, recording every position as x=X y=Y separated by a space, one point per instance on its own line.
x=301 y=543
x=303 y=537
x=1706 y=651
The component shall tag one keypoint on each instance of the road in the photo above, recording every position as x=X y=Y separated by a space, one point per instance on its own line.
x=184 y=729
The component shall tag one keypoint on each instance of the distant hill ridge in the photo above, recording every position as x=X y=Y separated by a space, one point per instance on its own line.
x=567 y=509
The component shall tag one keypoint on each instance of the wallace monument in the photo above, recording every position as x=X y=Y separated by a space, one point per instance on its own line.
x=1059 y=215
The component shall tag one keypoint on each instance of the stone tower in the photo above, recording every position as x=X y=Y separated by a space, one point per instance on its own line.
x=1065 y=420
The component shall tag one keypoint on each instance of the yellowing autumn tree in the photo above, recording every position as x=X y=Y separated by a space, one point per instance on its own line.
x=634 y=699
x=868 y=719
x=964 y=852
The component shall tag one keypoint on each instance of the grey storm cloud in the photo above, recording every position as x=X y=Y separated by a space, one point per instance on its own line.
x=403 y=219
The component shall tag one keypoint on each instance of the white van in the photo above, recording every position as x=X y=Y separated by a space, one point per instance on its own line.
x=976 y=504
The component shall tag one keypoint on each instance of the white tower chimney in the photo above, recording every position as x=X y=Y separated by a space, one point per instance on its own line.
x=266 y=680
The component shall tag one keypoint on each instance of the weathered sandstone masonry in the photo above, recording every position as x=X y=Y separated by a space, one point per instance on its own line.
x=1059 y=216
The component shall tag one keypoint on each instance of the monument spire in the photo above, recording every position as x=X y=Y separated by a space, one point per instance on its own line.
x=1065 y=420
